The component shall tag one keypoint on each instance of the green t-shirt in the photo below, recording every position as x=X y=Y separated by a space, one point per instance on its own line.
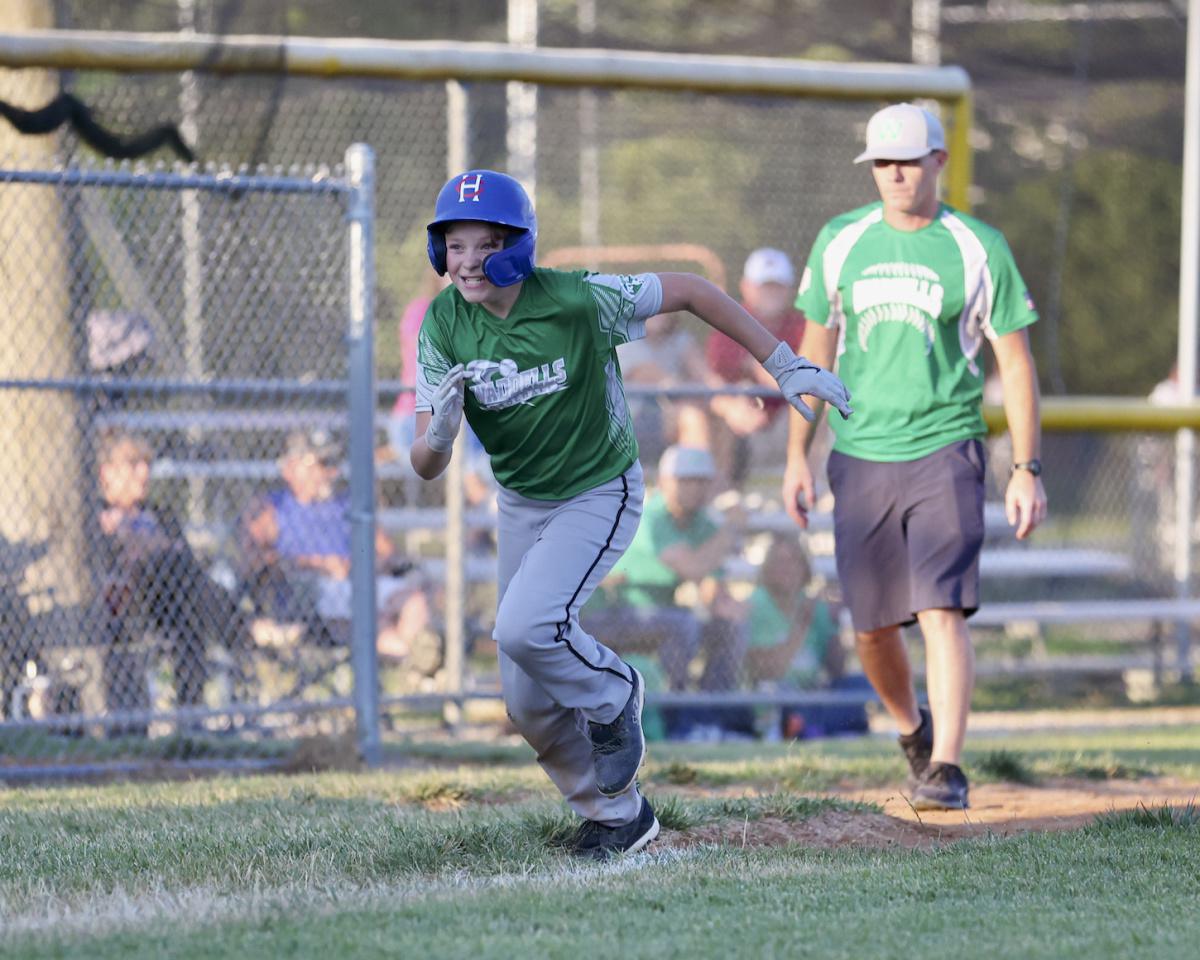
x=545 y=396
x=770 y=626
x=912 y=308
x=647 y=581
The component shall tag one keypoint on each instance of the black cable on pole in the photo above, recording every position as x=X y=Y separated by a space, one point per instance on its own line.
x=258 y=153
x=67 y=108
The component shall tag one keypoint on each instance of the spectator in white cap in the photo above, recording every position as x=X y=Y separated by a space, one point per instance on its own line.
x=295 y=539
x=681 y=540
x=768 y=286
x=116 y=337
x=120 y=347
x=905 y=291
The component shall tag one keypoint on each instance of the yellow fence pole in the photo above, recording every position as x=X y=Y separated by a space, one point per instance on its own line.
x=1104 y=414
x=958 y=172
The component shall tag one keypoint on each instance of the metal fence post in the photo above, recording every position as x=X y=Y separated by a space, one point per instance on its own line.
x=458 y=151
x=360 y=168
x=1189 y=320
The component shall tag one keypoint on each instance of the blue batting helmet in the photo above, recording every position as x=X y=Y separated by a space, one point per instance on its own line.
x=488 y=197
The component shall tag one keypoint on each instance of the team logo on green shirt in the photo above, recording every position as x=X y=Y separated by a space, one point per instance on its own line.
x=497 y=385
x=897 y=293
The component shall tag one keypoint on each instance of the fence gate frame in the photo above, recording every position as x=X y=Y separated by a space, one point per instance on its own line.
x=356 y=189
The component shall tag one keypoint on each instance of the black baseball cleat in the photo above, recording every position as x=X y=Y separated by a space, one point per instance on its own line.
x=918 y=748
x=599 y=842
x=943 y=787
x=618 y=748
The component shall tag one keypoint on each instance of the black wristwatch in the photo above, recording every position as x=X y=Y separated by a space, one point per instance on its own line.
x=1033 y=466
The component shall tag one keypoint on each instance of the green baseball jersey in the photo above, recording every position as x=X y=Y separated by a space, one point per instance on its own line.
x=544 y=394
x=912 y=309
x=643 y=579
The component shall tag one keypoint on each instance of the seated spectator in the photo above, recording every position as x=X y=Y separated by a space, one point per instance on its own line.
x=793 y=637
x=794 y=644
x=120 y=347
x=768 y=287
x=411 y=631
x=297 y=536
x=150 y=581
x=678 y=543
x=667 y=356
x=295 y=544
x=1167 y=391
x=17 y=646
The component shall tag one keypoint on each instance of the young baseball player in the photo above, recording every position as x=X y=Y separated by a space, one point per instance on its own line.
x=529 y=355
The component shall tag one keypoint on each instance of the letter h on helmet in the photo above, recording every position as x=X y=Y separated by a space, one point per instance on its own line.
x=487 y=197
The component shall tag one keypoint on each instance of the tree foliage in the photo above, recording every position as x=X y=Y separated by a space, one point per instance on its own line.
x=1120 y=277
x=1101 y=99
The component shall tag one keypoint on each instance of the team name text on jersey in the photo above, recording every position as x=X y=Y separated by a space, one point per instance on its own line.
x=496 y=386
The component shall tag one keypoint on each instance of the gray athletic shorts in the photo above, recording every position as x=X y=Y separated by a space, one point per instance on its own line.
x=908 y=535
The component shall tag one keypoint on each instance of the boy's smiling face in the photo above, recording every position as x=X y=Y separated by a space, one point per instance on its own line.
x=468 y=243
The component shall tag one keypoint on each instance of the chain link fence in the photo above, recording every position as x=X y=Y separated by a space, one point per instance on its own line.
x=670 y=167
x=176 y=533
x=249 y=288
x=1078 y=126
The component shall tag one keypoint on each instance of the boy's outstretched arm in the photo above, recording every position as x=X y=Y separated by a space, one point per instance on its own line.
x=795 y=375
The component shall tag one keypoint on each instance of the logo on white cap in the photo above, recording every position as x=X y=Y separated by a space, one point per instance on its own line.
x=902 y=131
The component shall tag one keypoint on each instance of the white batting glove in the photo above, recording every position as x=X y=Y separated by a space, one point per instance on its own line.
x=797 y=376
x=447 y=410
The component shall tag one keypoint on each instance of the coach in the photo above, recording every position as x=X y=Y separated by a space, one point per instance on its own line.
x=906 y=289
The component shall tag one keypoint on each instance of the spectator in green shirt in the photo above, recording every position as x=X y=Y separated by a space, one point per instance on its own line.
x=679 y=542
x=794 y=644
x=793 y=636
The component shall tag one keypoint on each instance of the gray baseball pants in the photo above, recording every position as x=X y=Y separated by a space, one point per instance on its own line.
x=555 y=675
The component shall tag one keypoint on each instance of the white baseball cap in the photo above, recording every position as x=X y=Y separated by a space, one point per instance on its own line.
x=115 y=336
x=684 y=462
x=768 y=265
x=318 y=442
x=902 y=131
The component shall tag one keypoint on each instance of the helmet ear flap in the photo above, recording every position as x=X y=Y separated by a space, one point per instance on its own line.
x=435 y=246
x=512 y=264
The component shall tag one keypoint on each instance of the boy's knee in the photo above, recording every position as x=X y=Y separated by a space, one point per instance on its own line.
x=520 y=717
x=506 y=643
x=516 y=638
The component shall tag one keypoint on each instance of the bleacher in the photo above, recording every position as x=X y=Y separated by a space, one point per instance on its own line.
x=1003 y=558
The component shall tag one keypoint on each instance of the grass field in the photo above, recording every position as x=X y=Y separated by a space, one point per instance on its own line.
x=790 y=850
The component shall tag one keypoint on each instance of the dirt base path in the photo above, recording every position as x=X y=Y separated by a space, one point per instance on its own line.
x=998 y=809
x=1059 y=804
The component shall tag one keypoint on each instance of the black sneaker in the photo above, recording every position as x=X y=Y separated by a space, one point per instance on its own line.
x=944 y=787
x=918 y=747
x=618 y=748
x=599 y=842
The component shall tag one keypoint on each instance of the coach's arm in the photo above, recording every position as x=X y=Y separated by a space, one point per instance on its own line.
x=1025 y=497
